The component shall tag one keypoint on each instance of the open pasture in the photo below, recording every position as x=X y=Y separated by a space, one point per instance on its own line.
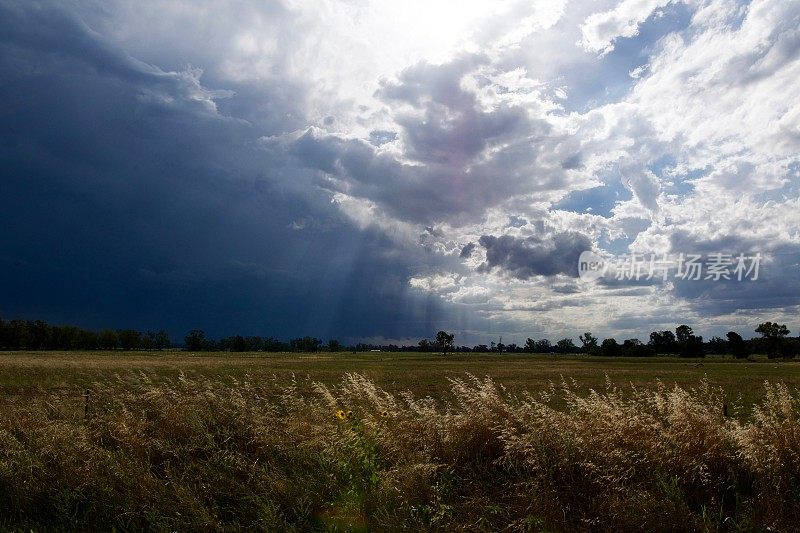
x=396 y=442
x=423 y=374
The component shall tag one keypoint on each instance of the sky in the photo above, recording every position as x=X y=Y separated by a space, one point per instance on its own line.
x=377 y=171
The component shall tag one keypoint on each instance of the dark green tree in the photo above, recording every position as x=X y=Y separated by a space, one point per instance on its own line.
x=161 y=340
x=683 y=333
x=530 y=345
x=444 y=341
x=566 y=346
x=18 y=335
x=129 y=339
x=610 y=348
x=108 y=339
x=773 y=335
x=38 y=335
x=717 y=345
x=636 y=348
x=238 y=344
x=689 y=344
x=736 y=345
x=543 y=346
x=588 y=343
x=663 y=342
x=305 y=344
x=195 y=340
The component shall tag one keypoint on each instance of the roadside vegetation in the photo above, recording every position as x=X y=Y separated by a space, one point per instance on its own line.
x=148 y=451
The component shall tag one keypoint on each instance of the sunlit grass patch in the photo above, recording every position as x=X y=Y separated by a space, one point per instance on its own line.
x=189 y=452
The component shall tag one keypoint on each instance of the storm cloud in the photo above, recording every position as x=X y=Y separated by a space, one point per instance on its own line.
x=534 y=256
x=282 y=168
x=130 y=200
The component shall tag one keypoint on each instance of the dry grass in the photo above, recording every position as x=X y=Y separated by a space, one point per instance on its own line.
x=26 y=373
x=162 y=453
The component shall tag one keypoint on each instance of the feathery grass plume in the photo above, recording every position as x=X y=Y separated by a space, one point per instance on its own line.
x=228 y=454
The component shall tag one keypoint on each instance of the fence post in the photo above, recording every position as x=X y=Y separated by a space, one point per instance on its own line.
x=86 y=404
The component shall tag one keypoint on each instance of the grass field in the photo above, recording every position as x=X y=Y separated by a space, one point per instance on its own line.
x=26 y=373
x=396 y=442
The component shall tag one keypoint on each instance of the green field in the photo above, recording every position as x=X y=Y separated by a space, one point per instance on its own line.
x=424 y=374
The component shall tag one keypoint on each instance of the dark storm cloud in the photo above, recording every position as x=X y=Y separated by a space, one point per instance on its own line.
x=129 y=199
x=459 y=158
x=467 y=250
x=427 y=193
x=452 y=128
x=535 y=256
x=777 y=286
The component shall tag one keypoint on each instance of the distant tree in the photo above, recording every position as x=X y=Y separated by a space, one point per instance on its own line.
x=444 y=341
x=663 y=342
x=161 y=340
x=736 y=345
x=717 y=345
x=87 y=340
x=566 y=346
x=588 y=343
x=195 y=340
x=694 y=347
x=274 y=345
x=424 y=345
x=254 y=343
x=38 y=335
x=237 y=344
x=108 y=339
x=211 y=345
x=18 y=335
x=772 y=330
x=129 y=339
x=500 y=346
x=683 y=333
x=689 y=344
x=543 y=346
x=147 y=340
x=480 y=348
x=530 y=345
x=334 y=346
x=791 y=347
x=610 y=348
x=773 y=335
x=305 y=344
x=635 y=348
x=64 y=338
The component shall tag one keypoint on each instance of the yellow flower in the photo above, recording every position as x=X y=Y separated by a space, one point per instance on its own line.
x=340 y=415
x=349 y=414
x=384 y=413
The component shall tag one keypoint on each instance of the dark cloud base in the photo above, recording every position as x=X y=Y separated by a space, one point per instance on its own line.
x=128 y=201
x=523 y=258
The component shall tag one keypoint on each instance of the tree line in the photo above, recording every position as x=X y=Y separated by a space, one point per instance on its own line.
x=39 y=335
x=773 y=340
x=197 y=341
